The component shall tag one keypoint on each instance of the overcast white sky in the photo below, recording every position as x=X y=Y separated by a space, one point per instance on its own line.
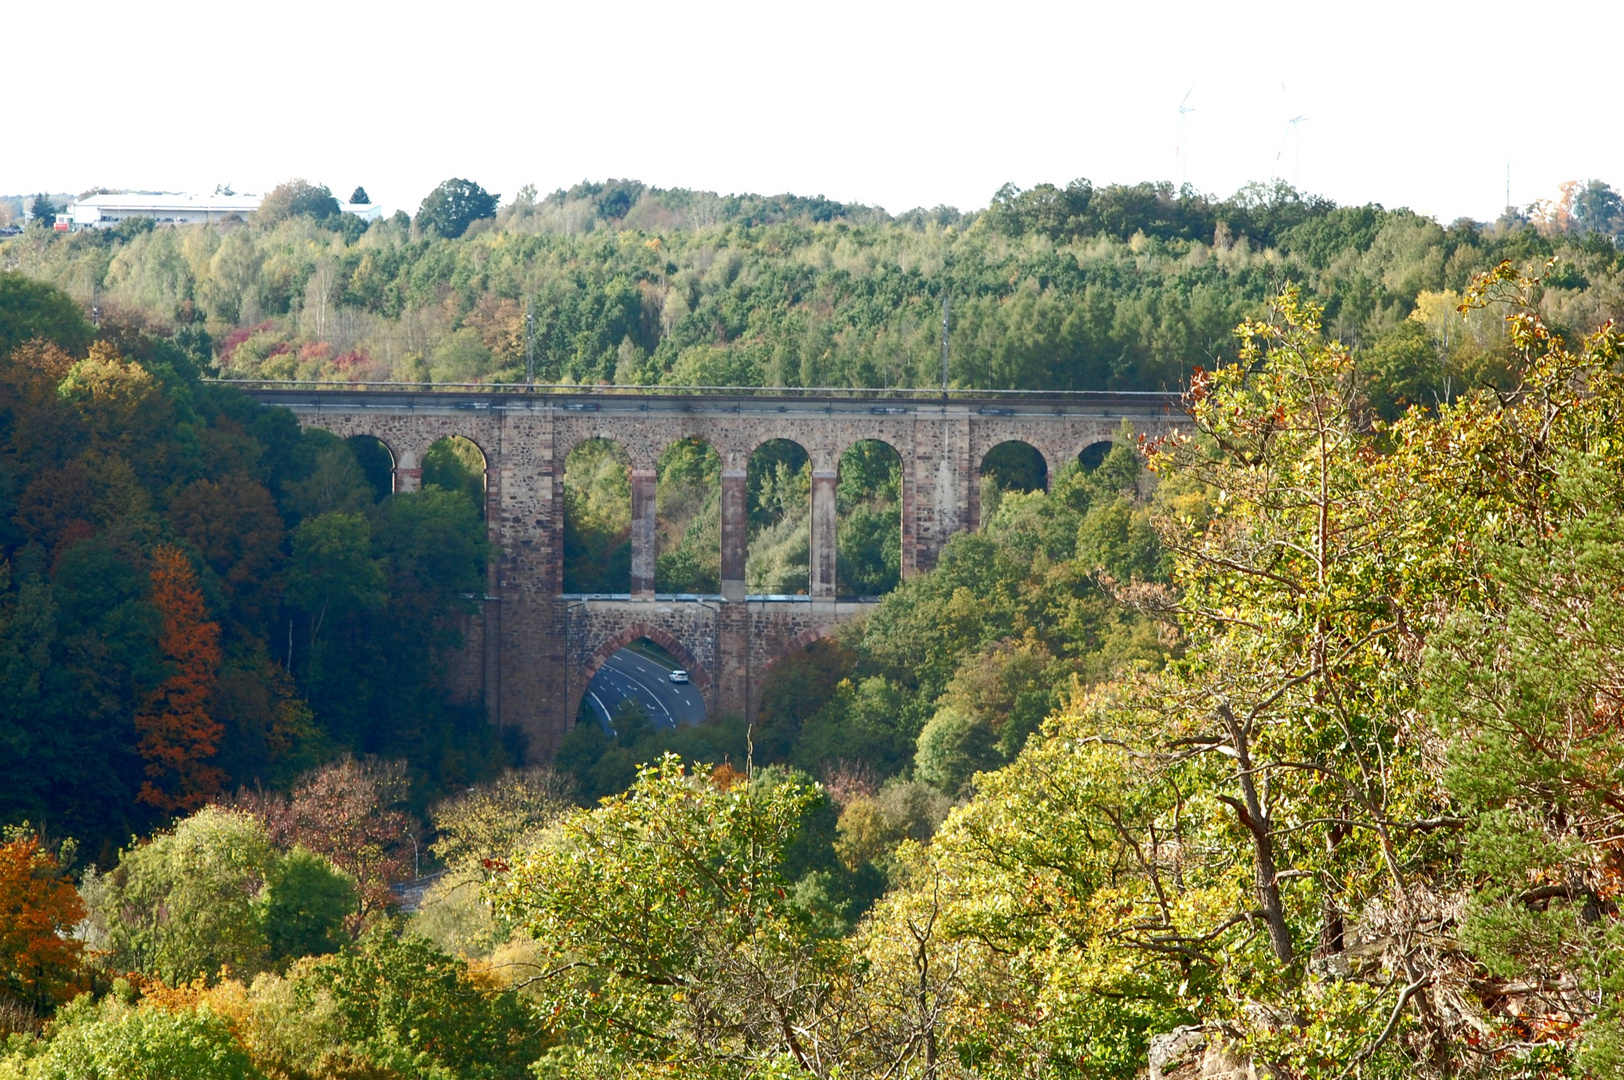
x=896 y=104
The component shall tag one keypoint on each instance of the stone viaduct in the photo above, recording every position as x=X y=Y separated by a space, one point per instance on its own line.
x=534 y=649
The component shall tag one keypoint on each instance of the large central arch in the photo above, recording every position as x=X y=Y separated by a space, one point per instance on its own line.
x=619 y=640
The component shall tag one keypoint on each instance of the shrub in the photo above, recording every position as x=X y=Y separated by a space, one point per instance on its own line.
x=114 y=1041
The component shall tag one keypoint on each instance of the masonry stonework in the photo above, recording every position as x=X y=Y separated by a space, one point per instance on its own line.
x=531 y=650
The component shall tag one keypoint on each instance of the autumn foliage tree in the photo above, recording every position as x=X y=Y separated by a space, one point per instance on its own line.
x=38 y=910
x=178 y=736
x=349 y=812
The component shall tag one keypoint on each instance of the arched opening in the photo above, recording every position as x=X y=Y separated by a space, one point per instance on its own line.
x=799 y=680
x=1015 y=466
x=377 y=464
x=639 y=684
x=597 y=518
x=868 y=536
x=688 y=519
x=628 y=678
x=456 y=464
x=778 y=501
x=1012 y=466
x=1094 y=454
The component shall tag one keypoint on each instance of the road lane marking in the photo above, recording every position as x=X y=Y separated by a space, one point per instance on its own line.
x=634 y=677
x=634 y=680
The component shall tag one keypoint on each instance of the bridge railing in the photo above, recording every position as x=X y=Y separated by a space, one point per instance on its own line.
x=1146 y=397
x=711 y=598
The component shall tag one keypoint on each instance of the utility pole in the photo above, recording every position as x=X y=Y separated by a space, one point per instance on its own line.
x=529 y=343
x=945 y=323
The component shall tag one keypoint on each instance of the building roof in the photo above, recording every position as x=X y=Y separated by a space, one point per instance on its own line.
x=133 y=202
x=367 y=212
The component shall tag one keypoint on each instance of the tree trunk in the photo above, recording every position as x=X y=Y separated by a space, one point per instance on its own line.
x=1250 y=810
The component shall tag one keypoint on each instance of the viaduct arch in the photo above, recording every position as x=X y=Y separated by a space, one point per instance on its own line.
x=533 y=648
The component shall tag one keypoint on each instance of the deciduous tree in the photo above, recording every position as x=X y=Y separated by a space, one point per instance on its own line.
x=349 y=813
x=1257 y=840
x=333 y=570
x=295 y=198
x=31 y=309
x=495 y=822
x=304 y=906
x=411 y=1010
x=235 y=526
x=183 y=905
x=453 y=206
x=111 y=1040
x=178 y=735
x=666 y=931
x=39 y=907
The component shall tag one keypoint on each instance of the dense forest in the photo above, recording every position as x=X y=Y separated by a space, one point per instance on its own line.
x=1125 y=287
x=1291 y=743
x=196 y=594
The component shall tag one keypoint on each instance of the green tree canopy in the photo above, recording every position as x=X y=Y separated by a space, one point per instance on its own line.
x=298 y=198
x=694 y=937
x=413 y=1011
x=304 y=906
x=333 y=568
x=453 y=206
x=182 y=905
x=1390 y=702
x=111 y=1040
x=31 y=309
x=113 y=450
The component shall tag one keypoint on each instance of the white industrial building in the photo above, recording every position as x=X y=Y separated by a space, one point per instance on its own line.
x=106 y=211
x=367 y=212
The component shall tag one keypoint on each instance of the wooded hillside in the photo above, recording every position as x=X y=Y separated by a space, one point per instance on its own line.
x=1124 y=287
x=196 y=595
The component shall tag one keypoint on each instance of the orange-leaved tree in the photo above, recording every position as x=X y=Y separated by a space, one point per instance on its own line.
x=178 y=736
x=38 y=909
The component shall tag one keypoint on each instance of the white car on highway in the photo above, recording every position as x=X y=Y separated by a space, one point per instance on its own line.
x=679 y=675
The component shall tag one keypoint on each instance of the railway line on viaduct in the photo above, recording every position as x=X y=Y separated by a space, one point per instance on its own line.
x=534 y=648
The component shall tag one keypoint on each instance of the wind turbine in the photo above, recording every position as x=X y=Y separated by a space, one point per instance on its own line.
x=1184 y=150
x=1296 y=149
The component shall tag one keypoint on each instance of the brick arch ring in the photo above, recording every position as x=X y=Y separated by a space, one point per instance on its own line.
x=797 y=643
x=661 y=637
